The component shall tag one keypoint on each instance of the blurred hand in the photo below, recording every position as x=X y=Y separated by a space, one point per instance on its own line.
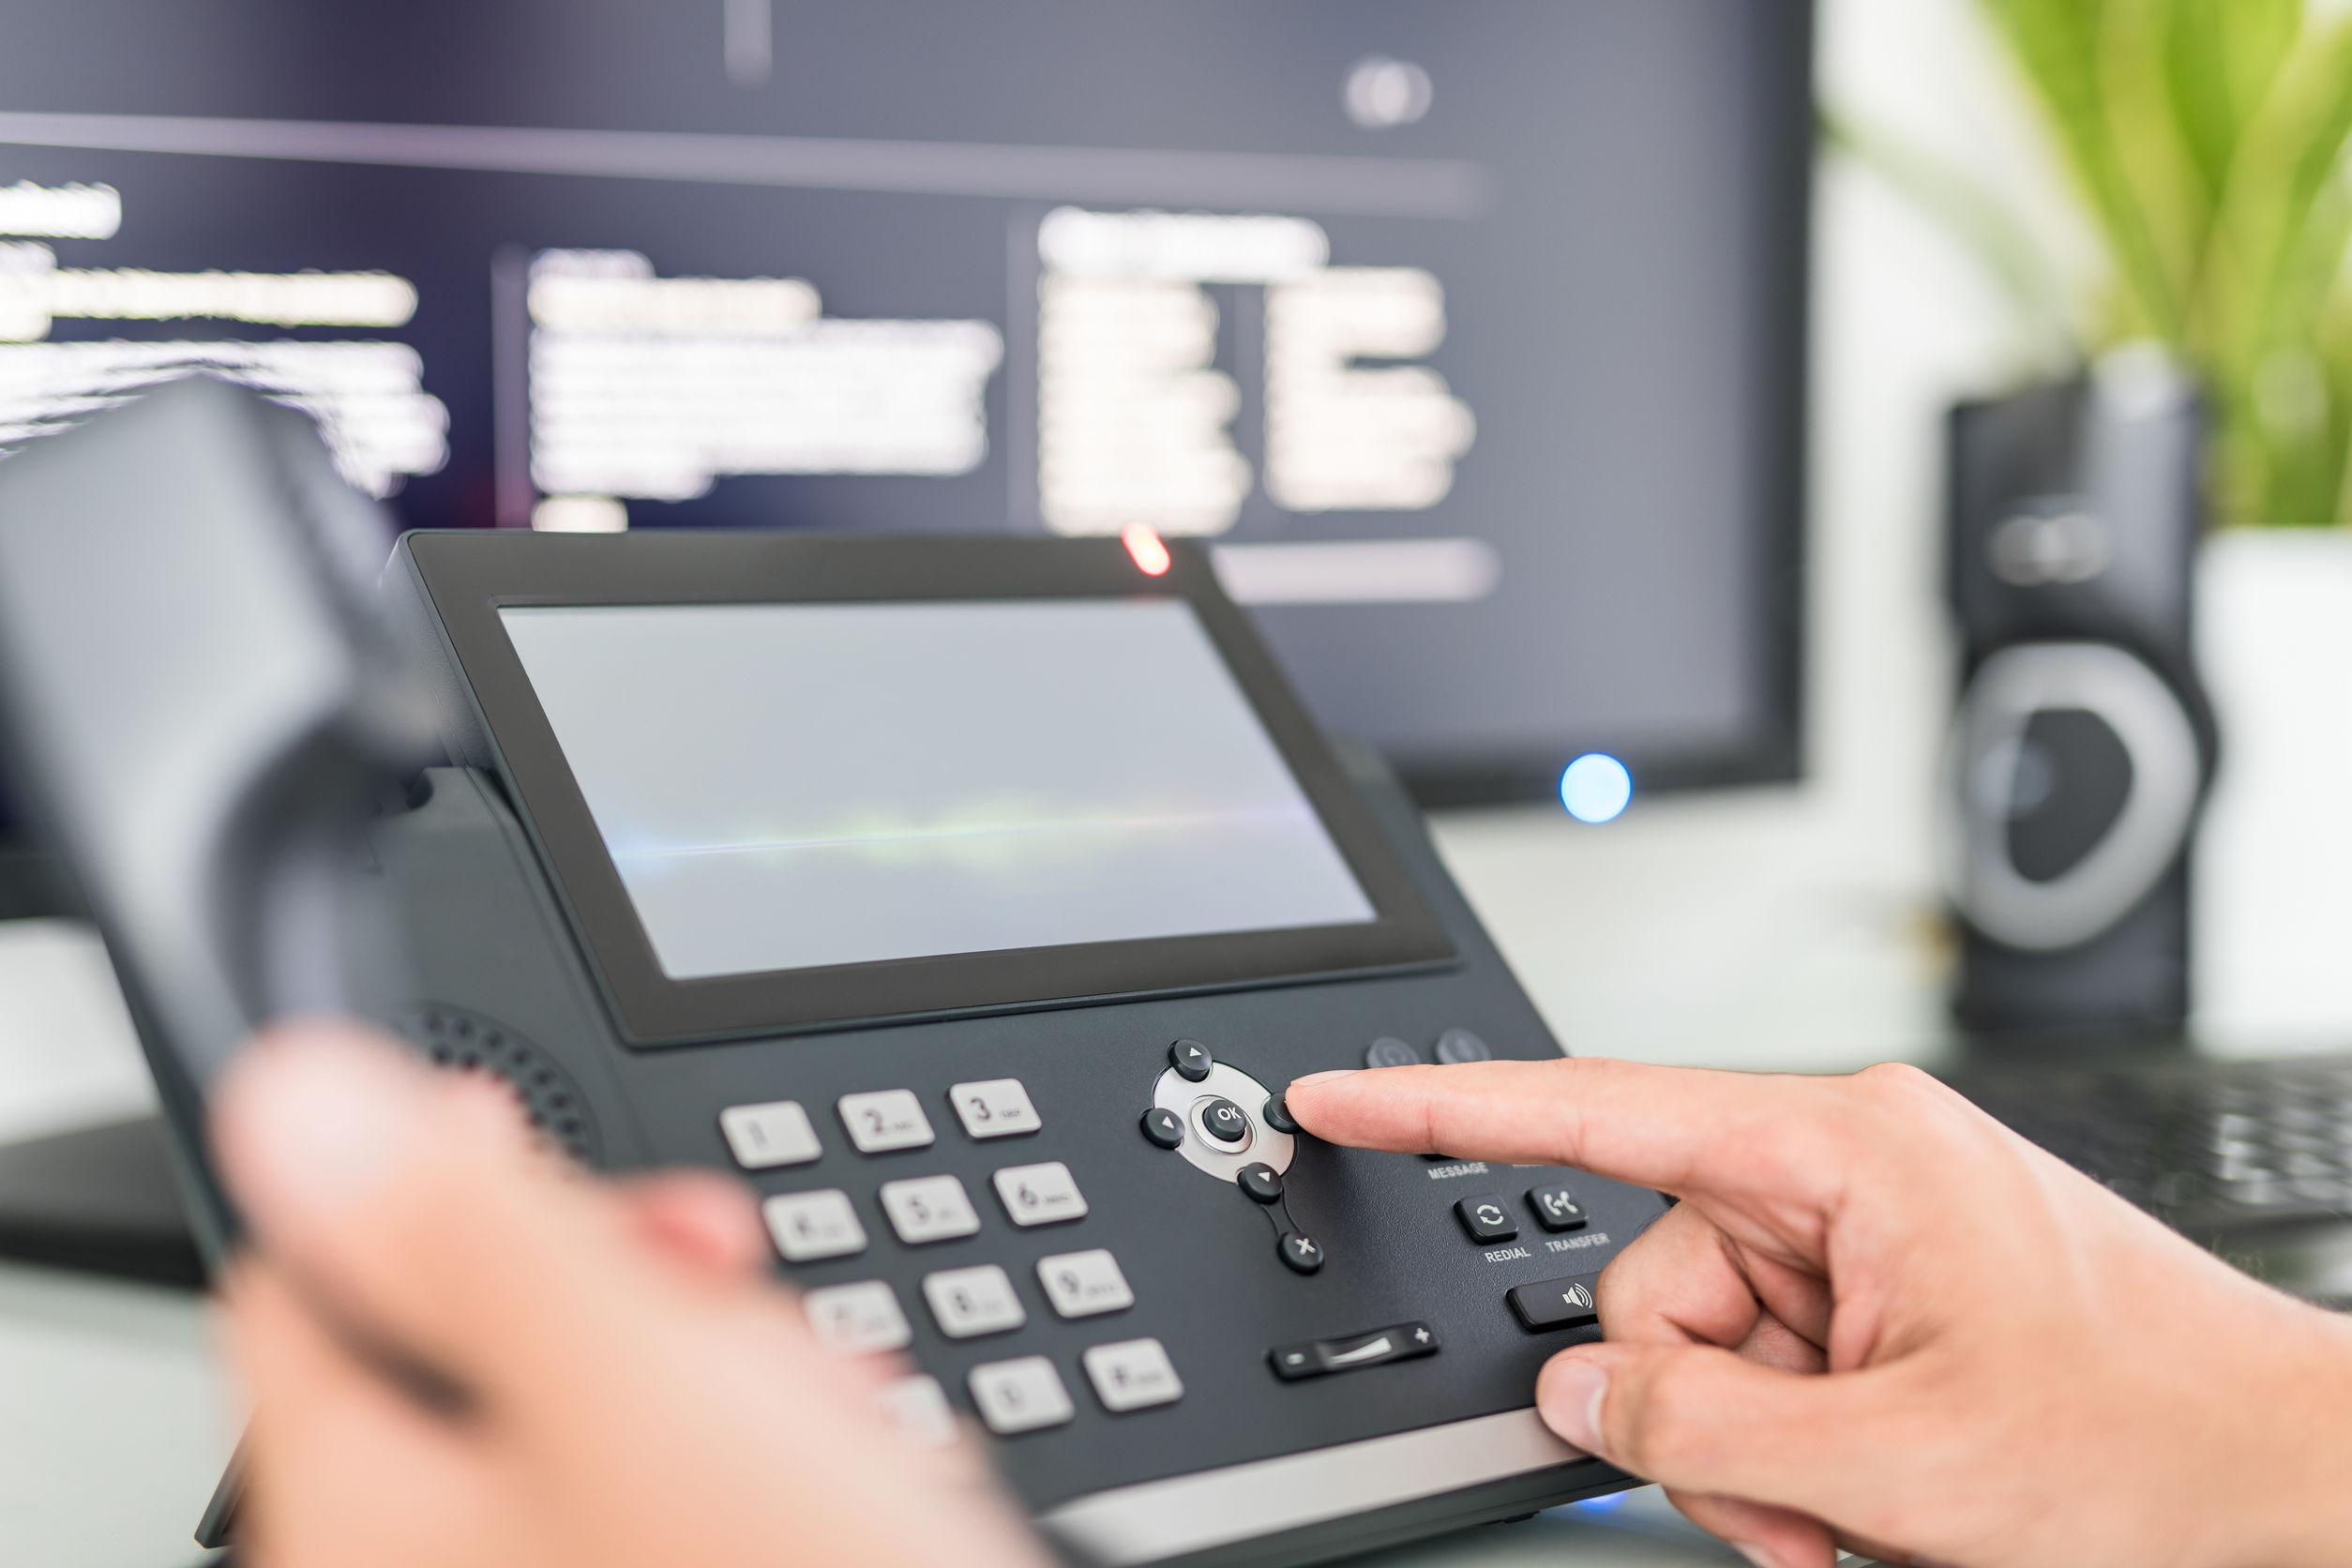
x=2021 y=1369
x=641 y=1394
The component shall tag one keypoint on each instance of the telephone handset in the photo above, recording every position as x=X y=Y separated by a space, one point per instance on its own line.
x=972 y=897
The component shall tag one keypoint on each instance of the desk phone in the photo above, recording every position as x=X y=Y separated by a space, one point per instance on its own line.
x=974 y=900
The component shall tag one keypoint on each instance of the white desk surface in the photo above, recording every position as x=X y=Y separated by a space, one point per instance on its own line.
x=1692 y=932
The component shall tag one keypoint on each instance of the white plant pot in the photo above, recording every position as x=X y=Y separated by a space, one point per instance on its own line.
x=2273 y=890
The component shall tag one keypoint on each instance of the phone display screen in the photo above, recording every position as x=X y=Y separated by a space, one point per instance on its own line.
x=785 y=786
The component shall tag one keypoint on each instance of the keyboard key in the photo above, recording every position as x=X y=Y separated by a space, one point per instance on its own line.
x=997 y=1107
x=1039 y=1194
x=764 y=1135
x=930 y=1209
x=1132 y=1375
x=808 y=1226
x=1083 y=1284
x=969 y=1302
x=885 y=1120
x=857 y=1319
x=1021 y=1396
x=918 y=1408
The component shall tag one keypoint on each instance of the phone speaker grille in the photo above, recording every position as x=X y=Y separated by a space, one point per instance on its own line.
x=467 y=1041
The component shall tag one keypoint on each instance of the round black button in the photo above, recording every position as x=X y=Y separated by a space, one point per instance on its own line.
x=1162 y=1127
x=1191 y=1059
x=1460 y=1045
x=1299 y=1252
x=1277 y=1113
x=1261 y=1182
x=1223 y=1120
x=1389 y=1052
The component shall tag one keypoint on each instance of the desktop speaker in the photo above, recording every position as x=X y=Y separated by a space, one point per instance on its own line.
x=2083 y=745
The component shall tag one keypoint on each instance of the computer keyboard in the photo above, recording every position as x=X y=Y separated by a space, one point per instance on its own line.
x=2206 y=1146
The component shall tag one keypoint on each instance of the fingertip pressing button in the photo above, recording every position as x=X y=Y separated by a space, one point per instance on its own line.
x=1162 y=1127
x=1261 y=1182
x=1389 y=1052
x=1299 y=1252
x=1456 y=1045
x=1191 y=1059
x=1277 y=1112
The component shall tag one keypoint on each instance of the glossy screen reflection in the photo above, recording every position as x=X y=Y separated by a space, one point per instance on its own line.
x=788 y=786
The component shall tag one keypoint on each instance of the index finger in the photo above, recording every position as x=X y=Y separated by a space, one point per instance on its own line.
x=1683 y=1130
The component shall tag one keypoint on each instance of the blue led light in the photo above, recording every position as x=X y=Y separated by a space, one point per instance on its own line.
x=1602 y=1504
x=1596 y=788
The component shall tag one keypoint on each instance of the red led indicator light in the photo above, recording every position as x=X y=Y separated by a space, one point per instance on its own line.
x=1149 y=552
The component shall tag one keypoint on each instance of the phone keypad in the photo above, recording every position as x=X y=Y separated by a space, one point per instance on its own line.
x=858 y=1318
x=1084 y=1284
x=1132 y=1375
x=1021 y=1396
x=1045 y=1194
x=970 y=1303
x=930 y=1209
x=809 y=1226
x=997 y=1107
x=764 y=1135
x=885 y=1121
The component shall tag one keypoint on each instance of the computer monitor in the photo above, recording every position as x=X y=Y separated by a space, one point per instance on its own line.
x=1472 y=335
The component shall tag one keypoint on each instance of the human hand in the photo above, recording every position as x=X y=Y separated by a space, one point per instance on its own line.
x=2021 y=1369
x=639 y=1392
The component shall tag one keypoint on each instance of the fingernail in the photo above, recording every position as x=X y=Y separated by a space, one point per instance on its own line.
x=1570 y=1405
x=1325 y=1078
x=315 y=1125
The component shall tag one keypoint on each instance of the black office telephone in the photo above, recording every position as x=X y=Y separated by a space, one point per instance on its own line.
x=974 y=899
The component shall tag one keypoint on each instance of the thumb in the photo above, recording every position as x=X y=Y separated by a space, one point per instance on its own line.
x=1700 y=1419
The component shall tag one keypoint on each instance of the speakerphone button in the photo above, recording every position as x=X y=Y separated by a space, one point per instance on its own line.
x=1191 y=1059
x=1261 y=1182
x=1389 y=1052
x=764 y=1135
x=1162 y=1127
x=1556 y=1208
x=1486 y=1219
x=884 y=1120
x=997 y=1107
x=1457 y=1045
x=1299 y=1252
x=1132 y=1375
x=1556 y=1303
x=1225 y=1121
x=808 y=1226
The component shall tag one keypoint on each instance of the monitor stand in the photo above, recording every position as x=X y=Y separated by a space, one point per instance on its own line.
x=102 y=1200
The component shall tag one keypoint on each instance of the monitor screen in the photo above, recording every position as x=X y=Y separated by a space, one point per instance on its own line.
x=1470 y=336
x=788 y=786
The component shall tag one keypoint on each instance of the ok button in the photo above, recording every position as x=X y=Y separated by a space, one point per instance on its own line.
x=1224 y=1122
